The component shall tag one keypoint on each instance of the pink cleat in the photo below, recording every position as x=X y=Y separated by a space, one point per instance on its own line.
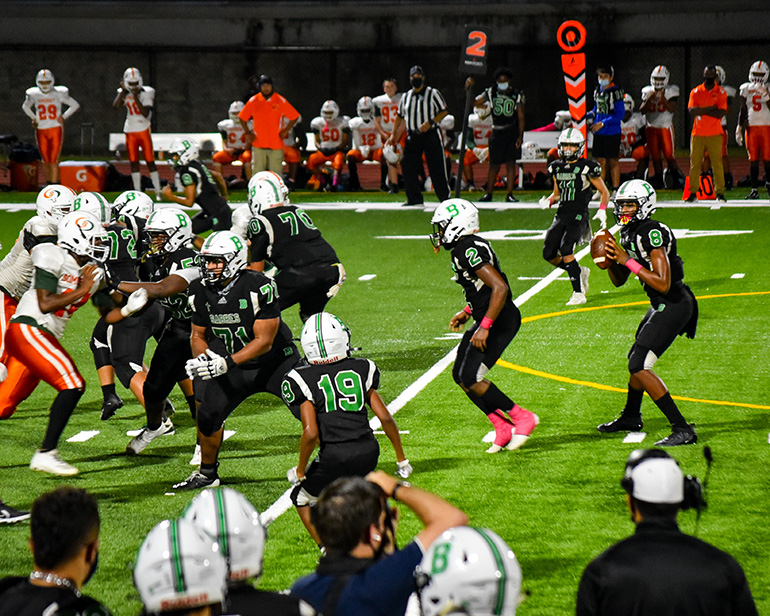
x=503 y=432
x=524 y=423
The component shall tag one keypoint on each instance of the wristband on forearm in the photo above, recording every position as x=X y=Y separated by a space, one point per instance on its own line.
x=230 y=362
x=486 y=323
x=634 y=266
x=467 y=310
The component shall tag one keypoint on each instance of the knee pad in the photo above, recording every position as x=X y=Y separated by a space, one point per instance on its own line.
x=641 y=358
x=468 y=378
x=208 y=423
x=302 y=498
x=549 y=255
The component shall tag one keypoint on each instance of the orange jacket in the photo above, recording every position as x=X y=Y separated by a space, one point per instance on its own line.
x=705 y=125
x=266 y=118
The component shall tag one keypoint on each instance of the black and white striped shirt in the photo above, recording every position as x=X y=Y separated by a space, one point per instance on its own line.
x=416 y=108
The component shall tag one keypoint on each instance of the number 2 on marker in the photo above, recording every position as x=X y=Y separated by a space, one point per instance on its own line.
x=478 y=48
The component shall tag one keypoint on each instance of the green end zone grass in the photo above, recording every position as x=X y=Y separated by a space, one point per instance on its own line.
x=557 y=501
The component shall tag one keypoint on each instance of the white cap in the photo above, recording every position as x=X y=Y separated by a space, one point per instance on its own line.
x=658 y=481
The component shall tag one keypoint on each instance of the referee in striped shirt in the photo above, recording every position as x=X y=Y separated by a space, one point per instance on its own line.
x=419 y=112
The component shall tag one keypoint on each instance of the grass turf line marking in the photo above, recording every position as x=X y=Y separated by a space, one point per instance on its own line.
x=82 y=436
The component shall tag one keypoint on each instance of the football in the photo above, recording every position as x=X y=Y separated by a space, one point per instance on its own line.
x=598 y=250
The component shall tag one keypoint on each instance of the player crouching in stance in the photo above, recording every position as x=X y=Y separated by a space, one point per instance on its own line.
x=497 y=320
x=330 y=394
x=648 y=249
x=574 y=181
x=240 y=346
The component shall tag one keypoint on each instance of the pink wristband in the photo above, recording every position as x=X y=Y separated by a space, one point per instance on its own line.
x=634 y=266
x=486 y=323
x=467 y=310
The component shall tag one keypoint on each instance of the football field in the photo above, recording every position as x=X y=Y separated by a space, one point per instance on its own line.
x=557 y=501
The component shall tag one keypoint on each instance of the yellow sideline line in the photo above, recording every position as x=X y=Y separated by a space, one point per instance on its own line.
x=564 y=379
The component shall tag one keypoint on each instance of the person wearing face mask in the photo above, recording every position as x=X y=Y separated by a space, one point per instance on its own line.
x=707 y=106
x=508 y=106
x=608 y=113
x=419 y=112
x=64 y=537
x=362 y=572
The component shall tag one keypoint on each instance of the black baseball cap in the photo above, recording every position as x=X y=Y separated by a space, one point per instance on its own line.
x=416 y=69
x=265 y=79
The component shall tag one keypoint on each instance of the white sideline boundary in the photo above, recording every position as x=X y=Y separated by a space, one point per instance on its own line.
x=283 y=503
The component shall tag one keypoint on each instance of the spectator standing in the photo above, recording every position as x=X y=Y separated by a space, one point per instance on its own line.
x=64 y=538
x=419 y=113
x=754 y=120
x=508 y=107
x=361 y=573
x=707 y=106
x=660 y=571
x=385 y=111
x=607 y=113
x=267 y=133
x=43 y=105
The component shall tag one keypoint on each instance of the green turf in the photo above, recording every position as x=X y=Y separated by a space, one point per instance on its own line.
x=557 y=501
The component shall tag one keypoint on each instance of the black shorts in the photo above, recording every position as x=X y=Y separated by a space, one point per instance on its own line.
x=471 y=364
x=306 y=286
x=220 y=396
x=167 y=367
x=664 y=322
x=128 y=340
x=606 y=146
x=335 y=460
x=502 y=146
x=565 y=231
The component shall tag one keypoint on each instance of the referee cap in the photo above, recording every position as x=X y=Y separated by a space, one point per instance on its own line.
x=415 y=70
x=652 y=476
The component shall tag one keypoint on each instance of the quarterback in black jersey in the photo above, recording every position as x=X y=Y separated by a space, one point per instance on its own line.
x=574 y=182
x=497 y=320
x=240 y=345
x=309 y=272
x=331 y=393
x=648 y=249
x=201 y=186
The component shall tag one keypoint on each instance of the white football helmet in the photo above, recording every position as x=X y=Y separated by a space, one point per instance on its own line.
x=325 y=339
x=169 y=229
x=267 y=191
x=330 y=110
x=635 y=192
x=54 y=201
x=132 y=78
x=659 y=77
x=563 y=118
x=365 y=108
x=721 y=75
x=235 y=108
x=178 y=566
x=571 y=137
x=228 y=518
x=134 y=203
x=182 y=151
x=758 y=72
x=393 y=154
x=529 y=150
x=628 y=102
x=95 y=204
x=83 y=234
x=483 y=111
x=469 y=571
x=45 y=80
x=453 y=219
x=222 y=246
x=241 y=220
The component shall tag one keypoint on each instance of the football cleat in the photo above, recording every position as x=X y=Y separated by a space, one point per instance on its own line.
x=196 y=458
x=679 y=436
x=50 y=462
x=510 y=198
x=146 y=436
x=577 y=298
x=111 y=404
x=9 y=515
x=584 y=273
x=721 y=198
x=754 y=194
x=197 y=481
x=486 y=198
x=621 y=424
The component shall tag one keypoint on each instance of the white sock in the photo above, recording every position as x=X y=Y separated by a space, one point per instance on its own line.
x=136 y=178
x=155 y=176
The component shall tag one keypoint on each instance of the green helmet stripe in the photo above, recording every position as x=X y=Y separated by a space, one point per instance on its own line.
x=319 y=337
x=276 y=192
x=176 y=556
x=222 y=525
x=502 y=578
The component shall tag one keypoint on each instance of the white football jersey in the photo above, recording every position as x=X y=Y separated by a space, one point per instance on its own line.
x=660 y=117
x=386 y=109
x=365 y=134
x=756 y=102
x=291 y=139
x=630 y=132
x=60 y=264
x=482 y=129
x=330 y=132
x=46 y=108
x=235 y=135
x=135 y=121
x=16 y=268
x=730 y=91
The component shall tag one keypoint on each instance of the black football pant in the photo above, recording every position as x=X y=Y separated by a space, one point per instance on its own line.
x=430 y=144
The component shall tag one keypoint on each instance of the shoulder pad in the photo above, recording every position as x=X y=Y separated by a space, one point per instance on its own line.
x=672 y=91
x=49 y=257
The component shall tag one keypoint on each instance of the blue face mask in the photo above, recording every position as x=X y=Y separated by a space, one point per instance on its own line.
x=503 y=86
x=604 y=82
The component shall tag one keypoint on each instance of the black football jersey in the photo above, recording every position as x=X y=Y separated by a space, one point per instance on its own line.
x=182 y=262
x=287 y=237
x=230 y=312
x=123 y=251
x=195 y=173
x=505 y=105
x=338 y=392
x=471 y=253
x=574 y=181
x=640 y=239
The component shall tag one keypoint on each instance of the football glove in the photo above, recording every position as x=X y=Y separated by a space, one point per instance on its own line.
x=739 y=135
x=601 y=216
x=291 y=475
x=191 y=365
x=215 y=366
x=404 y=469
x=136 y=301
x=544 y=203
x=364 y=151
x=112 y=279
x=334 y=289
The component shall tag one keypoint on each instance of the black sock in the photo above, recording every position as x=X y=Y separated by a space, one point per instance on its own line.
x=153 y=410
x=573 y=269
x=754 y=175
x=209 y=470
x=61 y=409
x=192 y=405
x=108 y=390
x=668 y=407
x=633 y=408
x=479 y=402
x=496 y=399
